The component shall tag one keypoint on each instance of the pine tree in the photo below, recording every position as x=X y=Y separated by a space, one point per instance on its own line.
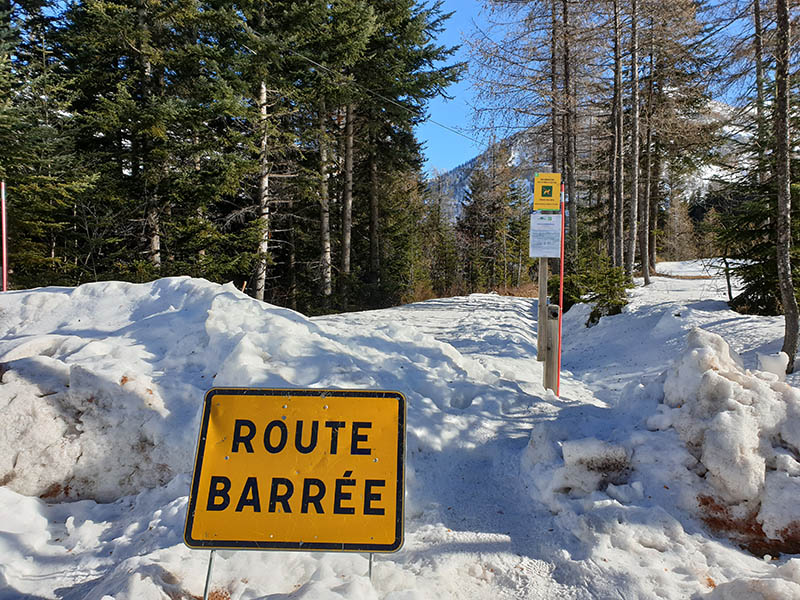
x=617 y=164
x=516 y=239
x=45 y=176
x=476 y=235
x=679 y=233
x=343 y=32
x=401 y=69
x=439 y=250
x=484 y=223
x=10 y=120
x=680 y=140
x=158 y=120
x=757 y=211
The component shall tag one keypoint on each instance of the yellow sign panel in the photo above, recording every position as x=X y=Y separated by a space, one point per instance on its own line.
x=547 y=191
x=299 y=470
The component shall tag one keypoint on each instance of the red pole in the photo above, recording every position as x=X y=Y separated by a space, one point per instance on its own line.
x=3 y=233
x=561 y=293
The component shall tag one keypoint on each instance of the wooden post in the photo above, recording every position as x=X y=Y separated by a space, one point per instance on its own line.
x=541 y=348
x=551 y=362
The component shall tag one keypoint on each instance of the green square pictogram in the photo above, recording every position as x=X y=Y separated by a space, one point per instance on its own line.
x=547 y=191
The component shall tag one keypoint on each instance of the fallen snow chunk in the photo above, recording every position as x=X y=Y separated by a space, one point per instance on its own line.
x=83 y=536
x=756 y=589
x=540 y=448
x=705 y=351
x=774 y=363
x=785 y=462
x=590 y=464
x=790 y=570
x=626 y=494
x=790 y=428
x=779 y=515
x=663 y=420
x=595 y=455
x=730 y=453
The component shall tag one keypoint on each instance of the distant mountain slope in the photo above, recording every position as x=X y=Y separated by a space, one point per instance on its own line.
x=526 y=157
x=530 y=153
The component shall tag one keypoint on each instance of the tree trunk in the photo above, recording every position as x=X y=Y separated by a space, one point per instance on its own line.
x=619 y=152
x=761 y=134
x=782 y=173
x=153 y=226
x=644 y=202
x=201 y=216
x=263 y=198
x=326 y=270
x=612 y=186
x=150 y=198
x=347 y=198
x=292 y=258
x=570 y=102
x=654 y=197
x=374 y=249
x=634 y=200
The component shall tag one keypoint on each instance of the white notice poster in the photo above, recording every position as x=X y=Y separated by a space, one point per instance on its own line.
x=545 y=239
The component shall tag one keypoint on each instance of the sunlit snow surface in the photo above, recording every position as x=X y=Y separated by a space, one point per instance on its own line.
x=101 y=389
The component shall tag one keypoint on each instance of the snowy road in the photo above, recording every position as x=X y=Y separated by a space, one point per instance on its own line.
x=477 y=534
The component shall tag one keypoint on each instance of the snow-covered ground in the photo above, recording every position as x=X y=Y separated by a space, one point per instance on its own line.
x=675 y=439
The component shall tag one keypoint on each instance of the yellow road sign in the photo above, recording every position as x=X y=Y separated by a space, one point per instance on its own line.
x=547 y=191
x=299 y=470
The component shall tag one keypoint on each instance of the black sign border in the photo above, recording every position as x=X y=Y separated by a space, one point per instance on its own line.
x=298 y=546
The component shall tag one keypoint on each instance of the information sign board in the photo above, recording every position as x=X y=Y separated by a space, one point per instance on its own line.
x=547 y=191
x=545 y=237
x=299 y=470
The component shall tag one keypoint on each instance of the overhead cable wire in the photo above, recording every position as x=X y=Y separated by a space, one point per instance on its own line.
x=382 y=97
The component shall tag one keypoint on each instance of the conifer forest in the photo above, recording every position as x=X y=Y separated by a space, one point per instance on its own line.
x=271 y=144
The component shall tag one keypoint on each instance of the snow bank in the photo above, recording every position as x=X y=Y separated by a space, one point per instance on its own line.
x=92 y=409
x=101 y=385
x=743 y=427
x=739 y=464
x=708 y=438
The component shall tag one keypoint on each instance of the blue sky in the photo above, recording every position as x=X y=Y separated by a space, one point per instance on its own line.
x=444 y=149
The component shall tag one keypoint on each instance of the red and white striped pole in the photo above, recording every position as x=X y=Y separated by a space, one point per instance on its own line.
x=3 y=233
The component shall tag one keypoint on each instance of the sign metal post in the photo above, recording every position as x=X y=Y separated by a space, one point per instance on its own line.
x=208 y=574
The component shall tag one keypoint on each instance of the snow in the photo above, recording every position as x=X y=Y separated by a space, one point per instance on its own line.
x=676 y=440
